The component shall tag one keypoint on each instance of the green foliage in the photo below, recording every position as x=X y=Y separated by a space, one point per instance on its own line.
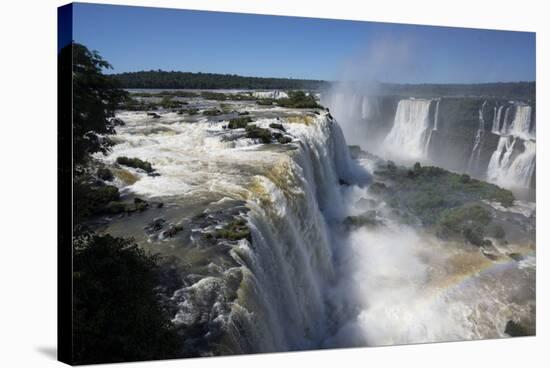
x=173 y=79
x=264 y=135
x=117 y=316
x=239 y=123
x=95 y=98
x=90 y=199
x=190 y=111
x=469 y=221
x=168 y=102
x=265 y=101
x=105 y=174
x=135 y=163
x=513 y=90
x=212 y=112
x=214 y=96
x=235 y=230
x=299 y=100
x=428 y=191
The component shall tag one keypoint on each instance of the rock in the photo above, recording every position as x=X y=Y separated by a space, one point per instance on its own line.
x=154 y=115
x=118 y=122
x=284 y=139
x=514 y=329
x=105 y=174
x=155 y=225
x=367 y=219
x=252 y=131
x=160 y=205
x=516 y=257
x=277 y=126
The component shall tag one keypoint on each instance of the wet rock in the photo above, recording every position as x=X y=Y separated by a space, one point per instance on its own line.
x=368 y=219
x=516 y=257
x=118 y=122
x=277 y=126
x=154 y=115
x=284 y=139
x=155 y=225
x=171 y=231
x=514 y=329
x=105 y=174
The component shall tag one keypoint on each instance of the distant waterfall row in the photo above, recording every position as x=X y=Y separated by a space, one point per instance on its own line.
x=494 y=143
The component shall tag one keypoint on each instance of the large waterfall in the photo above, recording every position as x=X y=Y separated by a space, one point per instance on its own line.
x=512 y=164
x=292 y=193
x=408 y=135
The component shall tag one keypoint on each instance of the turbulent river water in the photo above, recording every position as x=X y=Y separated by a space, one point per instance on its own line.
x=304 y=280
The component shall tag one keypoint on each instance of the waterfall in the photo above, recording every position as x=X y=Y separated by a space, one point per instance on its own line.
x=434 y=129
x=473 y=162
x=496 y=119
x=408 y=134
x=290 y=256
x=521 y=125
x=512 y=164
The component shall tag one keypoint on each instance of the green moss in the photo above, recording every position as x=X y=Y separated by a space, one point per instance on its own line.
x=298 y=100
x=514 y=329
x=239 y=123
x=264 y=135
x=235 y=230
x=135 y=163
x=428 y=191
x=212 y=112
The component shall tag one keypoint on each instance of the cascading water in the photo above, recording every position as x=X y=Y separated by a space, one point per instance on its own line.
x=434 y=129
x=473 y=162
x=408 y=135
x=512 y=164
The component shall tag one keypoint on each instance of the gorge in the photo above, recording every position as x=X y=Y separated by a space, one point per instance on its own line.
x=275 y=236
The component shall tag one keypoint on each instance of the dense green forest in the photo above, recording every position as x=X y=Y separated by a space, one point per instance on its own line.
x=187 y=80
x=513 y=90
x=164 y=79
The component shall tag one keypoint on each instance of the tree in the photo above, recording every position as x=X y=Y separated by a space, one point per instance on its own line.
x=116 y=313
x=95 y=98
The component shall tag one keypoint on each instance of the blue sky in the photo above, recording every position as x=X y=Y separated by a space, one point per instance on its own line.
x=137 y=38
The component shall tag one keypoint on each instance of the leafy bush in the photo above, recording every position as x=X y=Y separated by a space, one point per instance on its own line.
x=135 y=163
x=299 y=100
x=239 y=123
x=117 y=316
x=105 y=174
x=252 y=131
x=90 y=199
x=265 y=101
x=212 y=112
x=235 y=230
